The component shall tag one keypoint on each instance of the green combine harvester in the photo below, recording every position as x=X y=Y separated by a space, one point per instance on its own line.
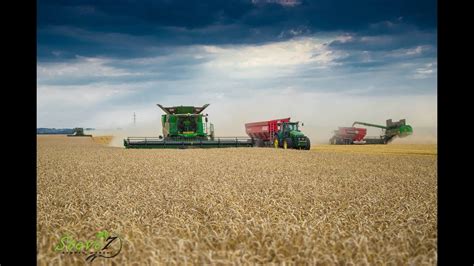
x=78 y=132
x=390 y=130
x=185 y=127
x=354 y=135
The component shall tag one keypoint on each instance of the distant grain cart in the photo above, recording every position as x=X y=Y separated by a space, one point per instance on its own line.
x=348 y=135
x=279 y=133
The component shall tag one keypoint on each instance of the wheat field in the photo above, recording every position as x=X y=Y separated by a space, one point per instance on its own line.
x=342 y=205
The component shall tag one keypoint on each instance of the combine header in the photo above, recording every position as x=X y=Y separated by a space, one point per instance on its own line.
x=279 y=133
x=354 y=135
x=185 y=127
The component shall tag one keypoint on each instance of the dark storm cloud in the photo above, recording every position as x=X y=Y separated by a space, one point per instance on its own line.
x=138 y=17
x=136 y=28
x=378 y=42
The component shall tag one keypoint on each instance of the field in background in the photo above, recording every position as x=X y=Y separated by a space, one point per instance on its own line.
x=330 y=205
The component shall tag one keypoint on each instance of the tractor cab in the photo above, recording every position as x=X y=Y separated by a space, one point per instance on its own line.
x=290 y=126
x=287 y=127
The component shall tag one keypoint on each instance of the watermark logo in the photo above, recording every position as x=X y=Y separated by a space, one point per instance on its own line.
x=104 y=245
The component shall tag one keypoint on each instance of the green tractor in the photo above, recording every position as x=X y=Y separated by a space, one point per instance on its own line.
x=290 y=137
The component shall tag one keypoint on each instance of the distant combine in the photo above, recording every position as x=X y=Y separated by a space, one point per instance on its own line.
x=78 y=132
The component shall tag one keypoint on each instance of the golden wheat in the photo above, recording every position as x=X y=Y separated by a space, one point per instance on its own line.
x=102 y=139
x=237 y=205
x=402 y=149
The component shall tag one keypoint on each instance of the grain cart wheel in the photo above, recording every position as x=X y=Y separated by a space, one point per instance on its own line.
x=275 y=143
x=259 y=143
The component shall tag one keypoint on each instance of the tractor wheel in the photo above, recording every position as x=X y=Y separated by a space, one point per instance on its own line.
x=287 y=143
x=275 y=143
x=308 y=144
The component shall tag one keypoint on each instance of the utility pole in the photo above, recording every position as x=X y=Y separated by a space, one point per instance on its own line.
x=134 y=119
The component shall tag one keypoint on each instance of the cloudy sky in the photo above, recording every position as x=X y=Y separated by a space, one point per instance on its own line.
x=326 y=63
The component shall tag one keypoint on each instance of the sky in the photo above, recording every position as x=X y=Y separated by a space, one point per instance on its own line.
x=325 y=63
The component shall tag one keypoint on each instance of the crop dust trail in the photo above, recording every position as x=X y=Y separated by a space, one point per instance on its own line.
x=118 y=135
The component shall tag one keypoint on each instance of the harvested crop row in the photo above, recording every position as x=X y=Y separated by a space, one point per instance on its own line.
x=402 y=149
x=237 y=205
x=105 y=140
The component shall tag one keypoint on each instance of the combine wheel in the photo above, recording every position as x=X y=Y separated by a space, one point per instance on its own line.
x=275 y=143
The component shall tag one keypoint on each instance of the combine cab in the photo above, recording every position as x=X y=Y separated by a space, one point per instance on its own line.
x=279 y=133
x=185 y=127
x=353 y=135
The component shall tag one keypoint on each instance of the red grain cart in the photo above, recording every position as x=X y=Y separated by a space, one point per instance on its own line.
x=262 y=132
x=348 y=135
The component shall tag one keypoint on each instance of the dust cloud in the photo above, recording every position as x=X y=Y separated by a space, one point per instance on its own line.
x=119 y=134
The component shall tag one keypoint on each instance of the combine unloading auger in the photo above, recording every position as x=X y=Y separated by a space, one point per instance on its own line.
x=352 y=135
